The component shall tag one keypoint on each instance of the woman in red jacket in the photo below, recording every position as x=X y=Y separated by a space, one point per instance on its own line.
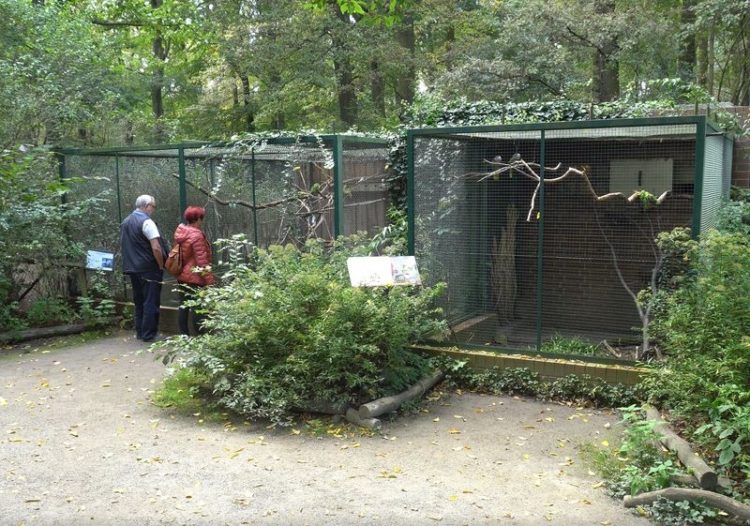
x=196 y=264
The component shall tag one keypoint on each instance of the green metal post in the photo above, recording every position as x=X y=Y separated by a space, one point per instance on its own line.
x=124 y=280
x=338 y=186
x=117 y=186
x=700 y=158
x=482 y=242
x=61 y=173
x=183 y=186
x=540 y=248
x=410 y=198
x=255 y=204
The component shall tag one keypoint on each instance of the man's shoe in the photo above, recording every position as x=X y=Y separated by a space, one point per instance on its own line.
x=158 y=338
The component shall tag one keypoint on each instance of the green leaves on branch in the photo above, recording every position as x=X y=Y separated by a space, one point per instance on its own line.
x=289 y=332
x=388 y=12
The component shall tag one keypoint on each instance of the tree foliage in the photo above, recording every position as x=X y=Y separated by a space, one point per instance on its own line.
x=35 y=224
x=104 y=72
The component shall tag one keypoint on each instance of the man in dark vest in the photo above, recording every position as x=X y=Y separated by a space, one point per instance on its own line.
x=143 y=256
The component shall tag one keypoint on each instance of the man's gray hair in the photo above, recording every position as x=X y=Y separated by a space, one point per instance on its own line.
x=144 y=200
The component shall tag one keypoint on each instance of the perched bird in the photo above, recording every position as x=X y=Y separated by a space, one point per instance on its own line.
x=514 y=158
x=497 y=159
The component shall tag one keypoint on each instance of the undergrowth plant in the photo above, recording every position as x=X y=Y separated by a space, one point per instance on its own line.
x=705 y=381
x=287 y=331
x=581 y=389
x=638 y=464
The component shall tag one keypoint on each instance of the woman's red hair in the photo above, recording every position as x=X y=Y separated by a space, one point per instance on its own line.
x=194 y=213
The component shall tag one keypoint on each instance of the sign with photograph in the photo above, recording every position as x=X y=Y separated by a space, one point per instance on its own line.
x=96 y=260
x=381 y=271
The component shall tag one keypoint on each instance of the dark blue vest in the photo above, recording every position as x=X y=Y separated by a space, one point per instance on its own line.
x=137 y=255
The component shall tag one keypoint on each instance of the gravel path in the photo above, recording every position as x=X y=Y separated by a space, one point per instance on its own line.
x=82 y=444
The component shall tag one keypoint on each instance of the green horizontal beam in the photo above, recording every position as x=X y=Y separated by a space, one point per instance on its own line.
x=328 y=139
x=564 y=125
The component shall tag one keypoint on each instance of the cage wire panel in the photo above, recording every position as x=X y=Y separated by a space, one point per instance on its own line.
x=478 y=221
x=96 y=183
x=714 y=180
x=273 y=191
x=365 y=190
x=220 y=181
x=154 y=173
x=293 y=193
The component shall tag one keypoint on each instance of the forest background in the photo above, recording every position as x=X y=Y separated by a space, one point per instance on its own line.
x=114 y=72
x=95 y=73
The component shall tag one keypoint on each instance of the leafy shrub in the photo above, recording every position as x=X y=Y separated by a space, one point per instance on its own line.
x=704 y=328
x=49 y=311
x=734 y=216
x=289 y=331
x=639 y=465
x=98 y=307
x=587 y=390
x=728 y=428
x=10 y=318
x=38 y=229
x=95 y=311
x=522 y=381
x=512 y=381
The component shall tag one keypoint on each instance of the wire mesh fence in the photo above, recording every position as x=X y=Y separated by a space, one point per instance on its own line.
x=272 y=191
x=546 y=233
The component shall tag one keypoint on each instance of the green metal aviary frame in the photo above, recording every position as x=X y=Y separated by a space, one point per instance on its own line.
x=272 y=190
x=539 y=258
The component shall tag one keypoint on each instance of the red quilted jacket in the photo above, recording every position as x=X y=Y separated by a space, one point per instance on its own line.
x=196 y=252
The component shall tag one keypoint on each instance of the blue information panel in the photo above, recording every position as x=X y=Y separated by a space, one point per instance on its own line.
x=96 y=260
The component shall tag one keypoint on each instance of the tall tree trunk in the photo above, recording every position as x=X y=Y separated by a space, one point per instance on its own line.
x=345 y=92
x=377 y=87
x=711 y=61
x=743 y=92
x=406 y=83
x=249 y=113
x=157 y=82
x=702 y=59
x=344 y=72
x=687 y=60
x=129 y=132
x=606 y=85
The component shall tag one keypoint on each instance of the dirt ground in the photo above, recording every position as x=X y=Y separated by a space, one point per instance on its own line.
x=82 y=444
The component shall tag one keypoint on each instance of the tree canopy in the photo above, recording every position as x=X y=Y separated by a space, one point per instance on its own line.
x=96 y=72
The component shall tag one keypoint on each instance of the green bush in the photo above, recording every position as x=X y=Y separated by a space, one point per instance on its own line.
x=10 y=318
x=289 y=332
x=98 y=306
x=49 y=311
x=36 y=224
x=703 y=329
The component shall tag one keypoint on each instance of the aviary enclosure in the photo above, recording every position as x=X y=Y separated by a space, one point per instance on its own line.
x=547 y=230
x=273 y=191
